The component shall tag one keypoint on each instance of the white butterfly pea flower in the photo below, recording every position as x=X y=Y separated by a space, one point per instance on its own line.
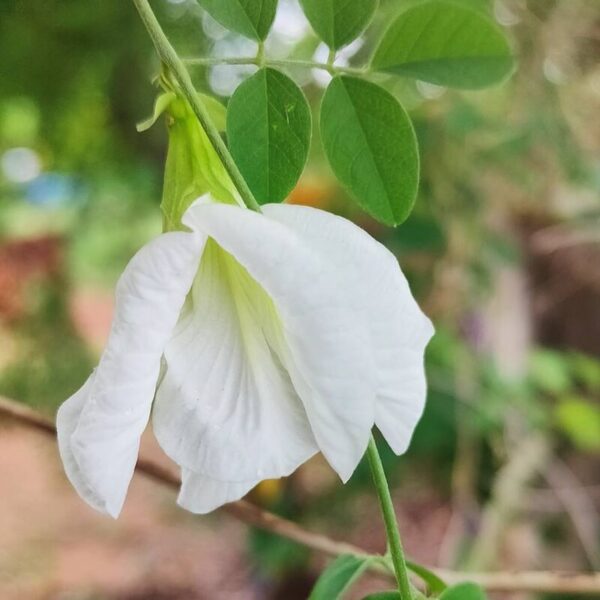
x=260 y=339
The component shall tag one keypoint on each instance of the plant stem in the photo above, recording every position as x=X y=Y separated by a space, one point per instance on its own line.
x=389 y=519
x=331 y=59
x=169 y=57
x=260 y=54
x=252 y=60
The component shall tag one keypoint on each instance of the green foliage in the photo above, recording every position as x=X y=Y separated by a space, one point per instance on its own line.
x=586 y=371
x=445 y=43
x=338 y=22
x=50 y=359
x=549 y=371
x=580 y=421
x=269 y=129
x=275 y=555
x=464 y=591
x=434 y=583
x=251 y=18
x=393 y=595
x=19 y=121
x=371 y=146
x=337 y=578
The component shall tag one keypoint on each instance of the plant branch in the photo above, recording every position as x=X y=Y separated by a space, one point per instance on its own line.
x=171 y=60
x=243 y=60
x=248 y=513
x=510 y=486
x=578 y=505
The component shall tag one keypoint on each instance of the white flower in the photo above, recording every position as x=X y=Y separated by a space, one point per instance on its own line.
x=261 y=339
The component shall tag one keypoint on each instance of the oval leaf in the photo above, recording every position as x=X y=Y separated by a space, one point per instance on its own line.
x=251 y=18
x=464 y=591
x=338 y=577
x=269 y=129
x=338 y=22
x=371 y=146
x=446 y=44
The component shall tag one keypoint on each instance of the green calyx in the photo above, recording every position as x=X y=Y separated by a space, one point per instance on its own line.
x=192 y=167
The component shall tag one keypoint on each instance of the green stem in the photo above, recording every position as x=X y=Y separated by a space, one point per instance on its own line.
x=169 y=57
x=331 y=59
x=244 y=60
x=260 y=54
x=389 y=519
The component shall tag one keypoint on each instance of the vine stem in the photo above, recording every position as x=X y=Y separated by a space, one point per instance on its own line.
x=252 y=60
x=389 y=519
x=171 y=60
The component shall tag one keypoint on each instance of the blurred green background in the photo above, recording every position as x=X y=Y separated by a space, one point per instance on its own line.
x=502 y=251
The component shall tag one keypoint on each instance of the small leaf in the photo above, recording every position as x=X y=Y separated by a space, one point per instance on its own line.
x=549 y=371
x=394 y=595
x=338 y=577
x=580 y=420
x=434 y=583
x=251 y=18
x=464 y=591
x=338 y=22
x=371 y=146
x=445 y=43
x=269 y=129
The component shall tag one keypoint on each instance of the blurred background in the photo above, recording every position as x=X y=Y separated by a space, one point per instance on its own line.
x=502 y=251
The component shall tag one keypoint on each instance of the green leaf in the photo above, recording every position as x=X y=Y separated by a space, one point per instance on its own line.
x=371 y=146
x=394 y=595
x=251 y=18
x=549 y=371
x=445 y=43
x=268 y=130
x=338 y=577
x=580 y=420
x=586 y=370
x=464 y=591
x=338 y=22
x=434 y=583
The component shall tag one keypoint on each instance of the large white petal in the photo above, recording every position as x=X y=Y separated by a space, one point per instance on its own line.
x=66 y=422
x=200 y=494
x=100 y=426
x=226 y=407
x=399 y=329
x=326 y=350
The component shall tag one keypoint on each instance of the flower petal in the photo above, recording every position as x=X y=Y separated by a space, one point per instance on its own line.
x=226 y=407
x=399 y=330
x=200 y=494
x=326 y=345
x=100 y=426
x=66 y=422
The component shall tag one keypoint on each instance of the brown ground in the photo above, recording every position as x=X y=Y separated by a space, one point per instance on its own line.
x=52 y=546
